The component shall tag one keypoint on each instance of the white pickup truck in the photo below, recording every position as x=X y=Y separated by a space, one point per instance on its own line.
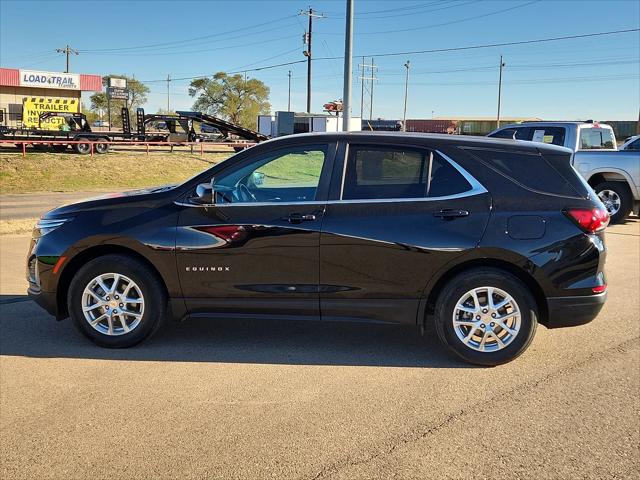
x=613 y=174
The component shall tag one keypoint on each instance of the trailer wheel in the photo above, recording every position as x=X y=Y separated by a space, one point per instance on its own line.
x=81 y=148
x=101 y=147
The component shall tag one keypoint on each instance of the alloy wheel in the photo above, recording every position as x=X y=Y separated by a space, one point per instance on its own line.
x=611 y=201
x=486 y=319
x=113 y=304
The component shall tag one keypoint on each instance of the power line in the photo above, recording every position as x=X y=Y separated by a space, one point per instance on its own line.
x=466 y=19
x=500 y=44
x=435 y=50
x=193 y=39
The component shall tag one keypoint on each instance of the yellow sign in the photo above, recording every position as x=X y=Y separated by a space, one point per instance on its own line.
x=32 y=107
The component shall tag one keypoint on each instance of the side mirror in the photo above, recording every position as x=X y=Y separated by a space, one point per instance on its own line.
x=204 y=194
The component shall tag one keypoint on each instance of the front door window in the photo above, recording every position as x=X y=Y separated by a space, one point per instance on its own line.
x=290 y=175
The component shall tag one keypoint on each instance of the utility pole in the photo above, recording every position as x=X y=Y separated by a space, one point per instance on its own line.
x=289 y=98
x=502 y=64
x=362 y=91
x=68 y=51
x=348 y=48
x=372 y=79
x=406 y=93
x=168 y=103
x=369 y=90
x=307 y=53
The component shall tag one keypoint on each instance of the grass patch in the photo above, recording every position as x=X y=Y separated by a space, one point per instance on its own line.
x=49 y=172
x=19 y=226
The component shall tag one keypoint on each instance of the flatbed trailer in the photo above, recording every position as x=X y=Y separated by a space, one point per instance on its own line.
x=81 y=132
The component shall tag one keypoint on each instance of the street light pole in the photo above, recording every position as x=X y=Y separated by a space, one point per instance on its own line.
x=406 y=94
x=348 y=47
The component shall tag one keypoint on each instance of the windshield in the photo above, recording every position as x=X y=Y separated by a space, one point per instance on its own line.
x=597 y=139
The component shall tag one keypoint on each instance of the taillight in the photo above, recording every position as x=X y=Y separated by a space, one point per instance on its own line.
x=599 y=289
x=591 y=220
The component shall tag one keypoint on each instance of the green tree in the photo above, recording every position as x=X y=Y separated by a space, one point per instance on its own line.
x=137 y=97
x=231 y=98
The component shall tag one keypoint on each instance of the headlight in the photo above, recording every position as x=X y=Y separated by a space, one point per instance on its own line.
x=45 y=225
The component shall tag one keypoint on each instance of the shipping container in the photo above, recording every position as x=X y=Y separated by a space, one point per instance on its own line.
x=433 y=126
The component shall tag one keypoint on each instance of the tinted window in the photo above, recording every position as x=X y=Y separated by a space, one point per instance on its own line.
x=515 y=133
x=635 y=145
x=529 y=170
x=596 y=138
x=384 y=173
x=552 y=135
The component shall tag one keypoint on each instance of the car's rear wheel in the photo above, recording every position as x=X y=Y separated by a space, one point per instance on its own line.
x=116 y=301
x=486 y=316
x=616 y=198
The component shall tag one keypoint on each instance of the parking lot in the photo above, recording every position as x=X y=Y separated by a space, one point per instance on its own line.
x=228 y=399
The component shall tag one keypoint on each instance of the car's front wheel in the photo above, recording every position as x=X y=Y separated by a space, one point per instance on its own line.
x=116 y=301
x=486 y=316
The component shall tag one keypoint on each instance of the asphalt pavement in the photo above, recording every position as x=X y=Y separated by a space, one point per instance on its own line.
x=297 y=400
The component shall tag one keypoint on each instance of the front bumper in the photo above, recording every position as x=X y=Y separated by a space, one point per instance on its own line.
x=573 y=311
x=46 y=300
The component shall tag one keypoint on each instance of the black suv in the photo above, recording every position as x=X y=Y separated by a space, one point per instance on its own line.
x=481 y=238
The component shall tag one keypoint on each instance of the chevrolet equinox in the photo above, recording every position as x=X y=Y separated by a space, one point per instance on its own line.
x=480 y=238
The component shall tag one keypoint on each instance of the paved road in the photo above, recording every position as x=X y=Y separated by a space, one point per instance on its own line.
x=285 y=400
x=32 y=205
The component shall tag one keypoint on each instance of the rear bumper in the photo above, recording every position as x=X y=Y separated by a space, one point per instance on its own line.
x=573 y=311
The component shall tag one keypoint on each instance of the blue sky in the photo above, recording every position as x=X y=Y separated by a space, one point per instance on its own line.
x=595 y=78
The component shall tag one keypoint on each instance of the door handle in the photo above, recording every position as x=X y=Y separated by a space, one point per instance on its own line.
x=451 y=213
x=299 y=217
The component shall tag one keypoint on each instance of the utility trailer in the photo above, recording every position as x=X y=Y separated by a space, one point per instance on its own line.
x=78 y=131
x=229 y=132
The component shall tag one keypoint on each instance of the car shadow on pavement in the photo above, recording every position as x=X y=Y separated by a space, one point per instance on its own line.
x=25 y=330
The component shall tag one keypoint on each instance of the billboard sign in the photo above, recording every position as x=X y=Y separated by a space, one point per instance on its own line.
x=32 y=107
x=118 y=82
x=37 y=79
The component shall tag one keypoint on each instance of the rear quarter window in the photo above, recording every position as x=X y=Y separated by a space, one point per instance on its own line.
x=531 y=171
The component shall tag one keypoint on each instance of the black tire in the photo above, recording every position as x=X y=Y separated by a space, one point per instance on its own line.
x=82 y=148
x=485 y=277
x=621 y=189
x=101 y=148
x=153 y=293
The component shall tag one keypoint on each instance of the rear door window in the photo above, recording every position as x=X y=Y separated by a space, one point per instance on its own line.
x=552 y=135
x=596 y=138
x=396 y=172
x=514 y=133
